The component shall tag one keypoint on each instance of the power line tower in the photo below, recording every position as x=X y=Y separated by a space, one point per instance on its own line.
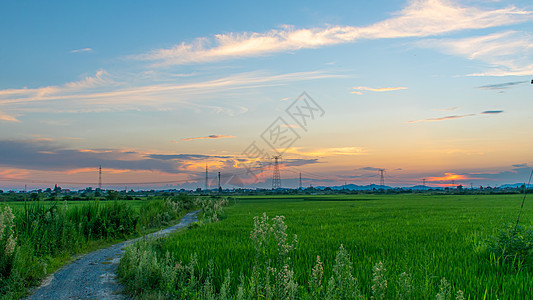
x=100 y=178
x=276 y=177
x=381 y=177
x=424 y=182
x=300 y=180
x=206 y=178
x=219 y=187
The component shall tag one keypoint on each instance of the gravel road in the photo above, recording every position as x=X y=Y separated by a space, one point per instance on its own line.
x=93 y=276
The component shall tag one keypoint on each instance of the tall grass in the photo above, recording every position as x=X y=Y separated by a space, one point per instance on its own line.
x=41 y=236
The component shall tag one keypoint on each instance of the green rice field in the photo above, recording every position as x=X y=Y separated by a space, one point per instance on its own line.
x=430 y=237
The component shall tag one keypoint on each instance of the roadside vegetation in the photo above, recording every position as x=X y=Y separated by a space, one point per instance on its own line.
x=37 y=236
x=342 y=247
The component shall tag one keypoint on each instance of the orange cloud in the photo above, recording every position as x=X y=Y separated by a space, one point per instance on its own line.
x=213 y=136
x=448 y=177
x=327 y=151
x=13 y=173
x=94 y=151
x=8 y=118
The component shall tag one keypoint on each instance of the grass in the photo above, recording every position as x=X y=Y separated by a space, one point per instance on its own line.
x=37 y=237
x=429 y=237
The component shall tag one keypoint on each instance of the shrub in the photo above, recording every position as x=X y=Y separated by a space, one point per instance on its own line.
x=158 y=212
x=513 y=245
x=8 y=243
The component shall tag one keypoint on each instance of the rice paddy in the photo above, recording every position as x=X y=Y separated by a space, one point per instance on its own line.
x=429 y=237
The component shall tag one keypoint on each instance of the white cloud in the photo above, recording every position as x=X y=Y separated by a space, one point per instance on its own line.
x=507 y=53
x=101 y=78
x=358 y=89
x=97 y=93
x=98 y=80
x=82 y=50
x=418 y=19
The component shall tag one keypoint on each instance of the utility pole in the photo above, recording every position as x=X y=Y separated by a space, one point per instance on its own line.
x=381 y=177
x=276 y=176
x=300 y=180
x=100 y=178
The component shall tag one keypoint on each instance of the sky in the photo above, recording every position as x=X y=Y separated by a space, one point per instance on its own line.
x=155 y=91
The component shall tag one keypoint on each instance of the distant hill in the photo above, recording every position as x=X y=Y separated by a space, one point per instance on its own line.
x=515 y=185
x=371 y=187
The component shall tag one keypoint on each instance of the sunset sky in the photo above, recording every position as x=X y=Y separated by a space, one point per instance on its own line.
x=154 y=90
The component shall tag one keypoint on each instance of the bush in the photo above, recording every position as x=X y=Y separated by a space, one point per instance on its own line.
x=186 y=201
x=158 y=212
x=513 y=246
x=7 y=243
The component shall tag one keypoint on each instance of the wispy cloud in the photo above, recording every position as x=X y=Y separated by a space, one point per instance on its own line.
x=358 y=89
x=508 y=53
x=447 y=109
x=13 y=173
x=368 y=169
x=418 y=19
x=486 y=112
x=7 y=118
x=442 y=118
x=100 y=79
x=321 y=152
x=101 y=93
x=501 y=86
x=82 y=50
x=212 y=136
x=492 y=112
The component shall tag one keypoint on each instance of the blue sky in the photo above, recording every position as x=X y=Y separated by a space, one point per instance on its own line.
x=155 y=91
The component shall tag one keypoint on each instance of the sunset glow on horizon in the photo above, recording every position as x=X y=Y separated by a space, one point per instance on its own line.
x=433 y=90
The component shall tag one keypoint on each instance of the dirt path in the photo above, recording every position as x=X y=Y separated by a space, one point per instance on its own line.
x=93 y=276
